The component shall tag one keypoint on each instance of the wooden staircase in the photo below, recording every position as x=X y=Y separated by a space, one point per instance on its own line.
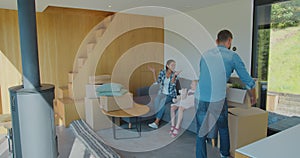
x=65 y=104
x=93 y=47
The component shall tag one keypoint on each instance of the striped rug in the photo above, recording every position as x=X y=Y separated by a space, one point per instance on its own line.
x=92 y=141
x=78 y=150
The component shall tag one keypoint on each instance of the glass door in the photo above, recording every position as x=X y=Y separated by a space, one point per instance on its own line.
x=277 y=56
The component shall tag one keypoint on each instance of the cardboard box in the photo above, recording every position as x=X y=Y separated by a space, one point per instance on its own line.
x=70 y=90
x=63 y=92
x=246 y=126
x=71 y=76
x=238 y=98
x=90 y=91
x=116 y=102
x=93 y=115
x=101 y=79
x=240 y=155
x=81 y=61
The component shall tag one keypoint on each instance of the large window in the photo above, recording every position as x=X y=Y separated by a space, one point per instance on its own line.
x=277 y=55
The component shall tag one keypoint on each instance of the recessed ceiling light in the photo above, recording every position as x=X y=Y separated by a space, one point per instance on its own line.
x=109 y=6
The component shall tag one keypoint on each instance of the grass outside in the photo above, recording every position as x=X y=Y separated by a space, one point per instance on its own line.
x=284 y=61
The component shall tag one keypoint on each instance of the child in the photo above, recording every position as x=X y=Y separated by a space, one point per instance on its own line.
x=184 y=101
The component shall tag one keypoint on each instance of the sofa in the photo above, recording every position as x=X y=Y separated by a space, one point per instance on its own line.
x=146 y=96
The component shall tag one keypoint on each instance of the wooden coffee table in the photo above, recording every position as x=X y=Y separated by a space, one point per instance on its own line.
x=136 y=111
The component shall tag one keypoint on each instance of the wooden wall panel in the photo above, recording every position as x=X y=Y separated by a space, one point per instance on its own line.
x=0 y=101
x=142 y=76
x=122 y=58
x=60 y=32
x=9 y=35
x=10 y=58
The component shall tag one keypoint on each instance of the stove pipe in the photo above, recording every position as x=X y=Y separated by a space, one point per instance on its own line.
x=34 y=134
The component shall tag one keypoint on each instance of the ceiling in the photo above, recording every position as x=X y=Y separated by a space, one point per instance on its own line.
x=116 y=5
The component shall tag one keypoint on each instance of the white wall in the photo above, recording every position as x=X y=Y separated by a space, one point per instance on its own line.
x=237 y=16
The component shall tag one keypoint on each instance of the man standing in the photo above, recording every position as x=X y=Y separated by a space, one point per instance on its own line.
x=216 y=67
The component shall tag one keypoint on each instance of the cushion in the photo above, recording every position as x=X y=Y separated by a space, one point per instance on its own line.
x=109 y=87
x=143 y=91
x=184 y=83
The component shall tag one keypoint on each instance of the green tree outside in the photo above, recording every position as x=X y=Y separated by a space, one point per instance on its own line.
x=279 y=49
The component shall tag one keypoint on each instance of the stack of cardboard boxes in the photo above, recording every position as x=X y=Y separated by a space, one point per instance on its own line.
x=247 y=124
x=94 y=117
x=112 y=103
x=94 y=103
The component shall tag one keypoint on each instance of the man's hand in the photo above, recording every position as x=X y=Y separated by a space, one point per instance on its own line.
x=252 y=94
x=253 y=100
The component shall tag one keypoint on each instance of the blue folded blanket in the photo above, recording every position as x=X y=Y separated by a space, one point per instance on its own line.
x=109 y=87
x=112 y=93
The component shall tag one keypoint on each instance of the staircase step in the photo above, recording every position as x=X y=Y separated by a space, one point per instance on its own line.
x=72 y=76
x=81 y=61
x=70 y=90
x=63 y=92
x=110 y=17
x=99 y=33
x=55 y=105
x=67 y=110
x=90 y=47
x=106 y=21
x=58 y=110
x=57 y=116
x=57 y=120
x=102 y=27
x=99 y=79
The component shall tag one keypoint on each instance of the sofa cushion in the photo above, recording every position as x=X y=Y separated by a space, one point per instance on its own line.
x=184 y=83
x=145 y=100
x=146 y=96
x=143 y=91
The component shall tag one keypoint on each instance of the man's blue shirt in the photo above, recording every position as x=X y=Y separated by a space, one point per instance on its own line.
x=216 y=67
